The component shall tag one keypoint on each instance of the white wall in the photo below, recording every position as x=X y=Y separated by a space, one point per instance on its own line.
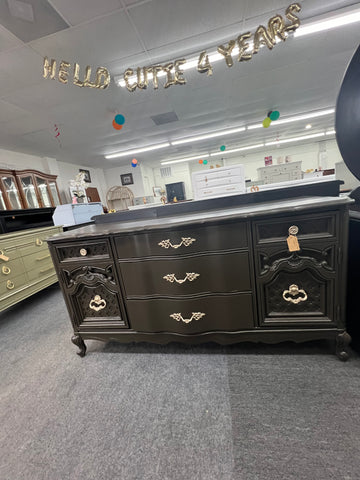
x=112 y=178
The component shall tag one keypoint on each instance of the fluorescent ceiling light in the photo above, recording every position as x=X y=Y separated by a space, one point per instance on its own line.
x=137 y=150
x=209 y=135
x=254 y=125
x=305 y=116
x=295 y=139
x=185 y=159
x=240 y=149
x=330 y=132
x=328 y=23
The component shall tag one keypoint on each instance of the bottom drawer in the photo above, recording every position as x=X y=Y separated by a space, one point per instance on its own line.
x=11 y=285
x=205 y=314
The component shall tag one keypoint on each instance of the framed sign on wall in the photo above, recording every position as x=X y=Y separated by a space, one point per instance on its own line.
x=126 y=179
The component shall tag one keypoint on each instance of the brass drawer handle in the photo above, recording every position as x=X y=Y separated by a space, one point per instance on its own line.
x=5 y=270
x=10 y=285
x=43 y=258
x=186 y=241
x=46 y=269
x=3 y=256
x=38 y=242
x=171 y=277
x=195 y=316
x=97 y=303
x=83 y=252
x=294 y=291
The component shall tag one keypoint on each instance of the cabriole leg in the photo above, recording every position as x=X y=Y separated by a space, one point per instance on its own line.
x=79 y=342
x=342 y=346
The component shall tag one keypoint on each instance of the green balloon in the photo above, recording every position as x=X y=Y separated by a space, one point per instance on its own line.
x=222 y=148
x=274 y=115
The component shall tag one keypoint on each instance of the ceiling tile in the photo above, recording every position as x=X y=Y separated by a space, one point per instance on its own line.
x=8 y=40
x=79 y=11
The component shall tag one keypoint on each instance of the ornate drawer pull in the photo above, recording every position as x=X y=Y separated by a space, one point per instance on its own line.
x=195 y=316
x=10 y=285
x=294 y=290
x=97 y=303
x=43 y=258
x=293 y=230
x=186 y=241
x=83 y=252
x=170 y=277
x=3 y=256
x=38 y=242
x=5 y=270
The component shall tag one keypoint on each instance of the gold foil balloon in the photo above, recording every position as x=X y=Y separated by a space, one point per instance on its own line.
x=129 y=72
x=226 y=52
x=178 y=75
x=76 y=80
x=295 y=21
x=155 y=70
x=142 y=78
x=262 y=37
x=64 y=71
x=49 y=68
x=276 y=27
x=169 y=77
x=87 y=82
x=243 y=46
x=102 y=73
x=204 y=65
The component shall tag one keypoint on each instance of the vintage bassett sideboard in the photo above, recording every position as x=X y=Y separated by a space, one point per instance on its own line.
x=222 y=274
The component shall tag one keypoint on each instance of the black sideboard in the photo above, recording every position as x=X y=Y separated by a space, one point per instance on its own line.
x=224 y=275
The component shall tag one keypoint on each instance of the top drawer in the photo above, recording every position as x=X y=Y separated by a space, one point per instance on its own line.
x=309 y=227
x=83 y=250
x=183 y=241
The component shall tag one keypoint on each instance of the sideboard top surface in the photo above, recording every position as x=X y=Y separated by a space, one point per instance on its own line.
x=243 y=212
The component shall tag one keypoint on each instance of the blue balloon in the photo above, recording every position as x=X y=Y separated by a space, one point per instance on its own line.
x=134 y=165
x=119 y=119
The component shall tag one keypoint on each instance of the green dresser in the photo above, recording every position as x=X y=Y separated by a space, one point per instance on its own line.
x=25 y=264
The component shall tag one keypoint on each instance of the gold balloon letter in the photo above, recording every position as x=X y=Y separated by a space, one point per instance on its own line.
x=64 y=71
x=169 y=78
x=204 y=65
x=155 y=70
x=243 y=46
x=76 y=80
x=178 y=75
x=129 y=73
x=262 y=37
x=295 y=21
x=226 y=52
x=49 y=68
x=142 y=84
x=102 y=72
x=87 y=82
x=276 y=26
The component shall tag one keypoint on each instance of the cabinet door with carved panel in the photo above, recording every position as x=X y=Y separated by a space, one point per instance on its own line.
x=93 y=296
x=298 y=269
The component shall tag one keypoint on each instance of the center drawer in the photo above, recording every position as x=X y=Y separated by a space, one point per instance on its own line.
x=221 y=272
x=185 y=240
x=206 y=314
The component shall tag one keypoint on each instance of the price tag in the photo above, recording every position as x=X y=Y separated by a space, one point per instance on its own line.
x=4 y=257
x=293 y=243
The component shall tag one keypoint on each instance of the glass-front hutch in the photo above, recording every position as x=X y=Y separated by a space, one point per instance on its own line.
x=24 y=189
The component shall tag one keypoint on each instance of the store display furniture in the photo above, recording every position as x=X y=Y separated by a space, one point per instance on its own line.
x=25 y=264
x=76 y=213
x=27 y=189
x=280 y=173
x=219 y=182
x=218 y=274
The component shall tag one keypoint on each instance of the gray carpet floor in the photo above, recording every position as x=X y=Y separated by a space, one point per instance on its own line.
x=173 y=412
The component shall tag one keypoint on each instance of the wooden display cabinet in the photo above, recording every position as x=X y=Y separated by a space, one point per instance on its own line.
x=27 y=189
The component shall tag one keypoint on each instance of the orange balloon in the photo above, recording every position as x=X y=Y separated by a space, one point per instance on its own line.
x=116 y=126
x=134 y=160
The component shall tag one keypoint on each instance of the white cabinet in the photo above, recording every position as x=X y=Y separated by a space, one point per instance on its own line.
x=219 y=182
x=280 y=173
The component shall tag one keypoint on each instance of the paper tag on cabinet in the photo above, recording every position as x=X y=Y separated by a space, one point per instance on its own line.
x=293 y=243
